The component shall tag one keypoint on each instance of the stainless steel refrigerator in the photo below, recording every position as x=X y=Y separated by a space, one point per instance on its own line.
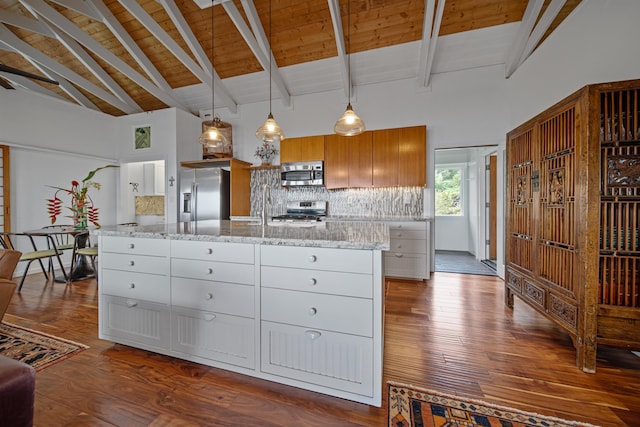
x=204 y=194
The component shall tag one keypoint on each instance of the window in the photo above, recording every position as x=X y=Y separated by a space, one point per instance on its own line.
x=448 y=189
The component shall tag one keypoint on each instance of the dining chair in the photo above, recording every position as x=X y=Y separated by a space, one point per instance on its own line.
x=83 y=248
x=62 y=238
x=8 y=261
x=28 y=243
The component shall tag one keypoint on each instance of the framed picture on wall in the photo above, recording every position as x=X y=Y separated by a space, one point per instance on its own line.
x=142 y=137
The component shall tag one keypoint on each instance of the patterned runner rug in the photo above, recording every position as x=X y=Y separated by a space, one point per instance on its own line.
x=411 y=407
x=35 y=348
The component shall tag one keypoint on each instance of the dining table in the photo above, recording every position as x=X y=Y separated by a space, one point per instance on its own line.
x=82 y=268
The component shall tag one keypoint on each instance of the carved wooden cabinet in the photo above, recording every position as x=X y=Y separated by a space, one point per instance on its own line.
x=573 y=213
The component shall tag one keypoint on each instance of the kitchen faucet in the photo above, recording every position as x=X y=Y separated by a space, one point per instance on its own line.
x=266 y=198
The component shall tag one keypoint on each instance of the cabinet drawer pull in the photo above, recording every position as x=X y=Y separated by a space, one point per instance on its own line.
x=209 y=251
x=399 y=254
x=312 y=282
x=210 y=271
x=313 y=258
x=209 y=317
x=399 y=246
x=209 y=296
x=132 y=285
x=132 y=245
x=313 y=311
x=132 y=263
x=131 y=304
x=313 y=334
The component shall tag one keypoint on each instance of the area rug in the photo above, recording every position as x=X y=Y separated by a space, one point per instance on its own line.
x=412 y=407
x=35 y=348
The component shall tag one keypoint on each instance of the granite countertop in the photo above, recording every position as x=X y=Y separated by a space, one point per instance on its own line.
x=334 y=218
x=330 y=234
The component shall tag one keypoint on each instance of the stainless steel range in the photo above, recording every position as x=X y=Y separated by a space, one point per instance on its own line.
x=306 y=211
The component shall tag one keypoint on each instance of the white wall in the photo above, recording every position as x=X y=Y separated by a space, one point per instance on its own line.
x=598 y=42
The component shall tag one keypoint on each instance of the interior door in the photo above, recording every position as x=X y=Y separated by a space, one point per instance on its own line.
x=5 y=198
x=491 y=206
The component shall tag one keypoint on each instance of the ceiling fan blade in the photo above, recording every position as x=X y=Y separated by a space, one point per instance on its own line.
x=18 y=72
x=5 y=84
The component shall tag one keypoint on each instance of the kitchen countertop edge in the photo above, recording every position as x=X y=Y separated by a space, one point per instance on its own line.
x=368 y=235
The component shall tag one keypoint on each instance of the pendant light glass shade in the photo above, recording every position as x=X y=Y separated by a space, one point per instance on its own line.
x=349 y=124
x=212 y=137
x=270 y=131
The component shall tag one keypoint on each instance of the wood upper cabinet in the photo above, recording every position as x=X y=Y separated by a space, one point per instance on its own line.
x=360 y=160
x=302 y=149
x=385 y=158
x=336 y=161
x=412 y=156
x=380 y=158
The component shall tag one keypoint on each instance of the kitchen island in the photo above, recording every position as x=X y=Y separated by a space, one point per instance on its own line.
x=298 y=305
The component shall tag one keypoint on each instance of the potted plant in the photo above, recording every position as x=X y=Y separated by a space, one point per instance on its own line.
x=265 y=152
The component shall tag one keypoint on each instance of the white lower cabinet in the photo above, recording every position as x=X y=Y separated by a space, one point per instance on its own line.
x=338 y=361
x=130 y=321
x=408 y=255
x=321 y=319
x=215 y=336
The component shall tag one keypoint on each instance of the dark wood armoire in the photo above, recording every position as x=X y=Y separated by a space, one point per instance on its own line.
x=573 y=213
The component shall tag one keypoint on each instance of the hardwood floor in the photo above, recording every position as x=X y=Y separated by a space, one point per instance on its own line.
x=451 y=334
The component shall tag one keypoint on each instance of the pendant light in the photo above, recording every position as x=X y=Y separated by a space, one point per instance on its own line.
x=349 y=124
x=270 y=131
x=212 y=137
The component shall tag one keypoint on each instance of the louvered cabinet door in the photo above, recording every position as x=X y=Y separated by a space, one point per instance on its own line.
x=557 y=206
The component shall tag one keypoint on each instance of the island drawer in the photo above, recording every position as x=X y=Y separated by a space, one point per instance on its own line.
x=404 y=233
x=320 y=281
x=143 y=286
x=134 y=322
x=405 y=265
x=334 y=360
x=135 y=245
x=213 y=251
x=219 y=297
x=214 y=336
x=213 y=270
x=329 y=312
x=353 y=261
x=135 y=263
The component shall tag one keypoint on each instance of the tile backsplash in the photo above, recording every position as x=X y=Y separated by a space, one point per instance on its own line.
x=351 y=202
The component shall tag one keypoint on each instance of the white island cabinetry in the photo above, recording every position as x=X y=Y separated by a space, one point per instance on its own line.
x=301 y=307
x=212 y=297
x=135 y=305
x=321 y=318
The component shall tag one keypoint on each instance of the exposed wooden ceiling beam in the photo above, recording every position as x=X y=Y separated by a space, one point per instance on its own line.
x=31 y=53
x=259 y=45
x=427 y=29
x=205 y=77
x=336 y=18
x=24 y=22
x=524 y=31
x=87 y=41
x=541 y=28
x=433 y=41
x=107 y=18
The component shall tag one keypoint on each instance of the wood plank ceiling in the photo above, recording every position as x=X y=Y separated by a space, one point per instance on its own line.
x=127 y=56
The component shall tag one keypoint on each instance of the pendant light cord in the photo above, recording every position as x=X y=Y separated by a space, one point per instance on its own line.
x=349 y=45
x=213 y=69
x=270 y=56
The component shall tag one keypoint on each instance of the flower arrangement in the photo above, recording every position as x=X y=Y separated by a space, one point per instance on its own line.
x=265 y=152
x=82 y=207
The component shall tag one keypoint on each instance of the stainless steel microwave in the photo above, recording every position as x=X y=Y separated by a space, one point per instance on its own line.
x=302 y=173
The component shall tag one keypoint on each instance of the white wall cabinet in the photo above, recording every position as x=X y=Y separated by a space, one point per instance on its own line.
x=303 y=316
x=408 y=255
